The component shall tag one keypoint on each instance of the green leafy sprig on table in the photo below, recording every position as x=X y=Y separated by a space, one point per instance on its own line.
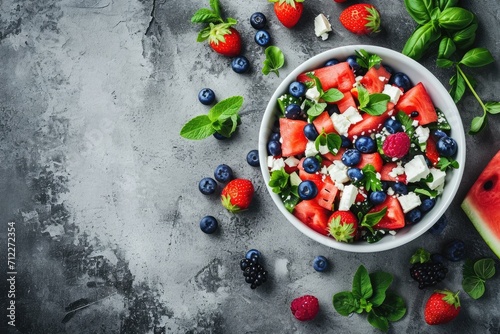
x=475 y=275
x=369 y=295
x=455 y=29
x=275 y=59
x=222 y=118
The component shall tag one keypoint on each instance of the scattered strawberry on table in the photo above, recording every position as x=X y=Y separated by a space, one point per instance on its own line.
x=442 y=307
x=361 y=19
x=237 y=195
x=288 y=12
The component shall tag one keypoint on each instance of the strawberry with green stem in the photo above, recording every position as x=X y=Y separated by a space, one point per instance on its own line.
x=361 y=19
x=222 y=37
x=343 y=226
x=237 y=195
x=442 y=307
x=288 y=12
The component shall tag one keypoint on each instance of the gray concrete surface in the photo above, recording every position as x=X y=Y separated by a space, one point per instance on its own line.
x=103 y=190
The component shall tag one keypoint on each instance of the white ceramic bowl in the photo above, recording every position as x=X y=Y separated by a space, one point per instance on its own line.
x=441 y=99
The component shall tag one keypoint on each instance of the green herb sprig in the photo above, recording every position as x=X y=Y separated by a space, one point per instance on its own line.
x=367 y=60
x=455 y=29
x=369 y=295
x=475 y=275
x=331 y=95
x=222 y=118
x=275 y=59
x=373 y=104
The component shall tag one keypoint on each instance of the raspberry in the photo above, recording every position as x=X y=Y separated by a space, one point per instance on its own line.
x=396 y=145
x=305 y=308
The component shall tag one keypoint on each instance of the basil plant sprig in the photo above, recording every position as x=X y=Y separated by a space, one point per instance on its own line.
x=453 y=29
x=275 y=59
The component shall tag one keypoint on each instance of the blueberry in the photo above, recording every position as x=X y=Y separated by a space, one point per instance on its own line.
x=355 y=174
x=297 y=89
x=365 y=144
x=206 y=96
x=332 y=62
x=389 y=69
x=253 y=158
x=218 y=136
x=275 y=136
x=207 y=186
x=351 y=157
x=274 y=148
x=320 y=263
x=427 y=204
x=208 y=224
x=251 y=253
x=353 y=62
x=311 y=165
x=413 y=216
x=440 y=133
x=258 y=20
x=307 y=189
x=393 y=125
x=346 y=142
x=240 y=64
x=400 y=188
x=454 y=250
x=439 y=226
x=223 y=173
x=262 y=37
x=446 y=146
x=293 y=111
x=310 y=131
x=401 y=80
x=377 y=197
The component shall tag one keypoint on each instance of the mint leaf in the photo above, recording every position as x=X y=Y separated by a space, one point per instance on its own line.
x=407 y=123
x=332 y=95
x=275 y=59
x=279 y=180
x=377 y=321
x=492 y=107
x=420 y=256
x=393 y=308
x=473 y=286
x=371 y=219
x=363 y=96
x=445 y=163
x=361 y=285
x=484 y=268
x=373 y=104
x=475 y=275
x=372 y=182
x=226 y=108
x=316 y=109
x=380 y=283
x=197 y=128
x=345 y=303
x=367 y=60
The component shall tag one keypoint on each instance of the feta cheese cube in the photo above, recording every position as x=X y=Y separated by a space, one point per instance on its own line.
x=422 y=134
x=270 y=160
x=393 y=92
x=338 y=172
x=416 y=169
x=396 y=171
x=323 y=149
x=292 y=161
x=348 y=197
x=310 y=149
x=352 y=114
x=278 y=164
x=409 y=201
x=322 y=26
x=438 y=177
x=340 y=123
x=313 y=94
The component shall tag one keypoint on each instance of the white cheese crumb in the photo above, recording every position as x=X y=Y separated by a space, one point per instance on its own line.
x=310 y=149
x=352 y=114
x=322 y=26
x=438 y=177
x=340 y=123
x=416 y=169
x=409 y=201
x=348 y=197
x=313 y=94
x=422 y=134
x=292 y=161
x=393 y=92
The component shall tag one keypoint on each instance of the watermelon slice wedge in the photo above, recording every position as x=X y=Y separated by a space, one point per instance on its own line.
x=482 y=203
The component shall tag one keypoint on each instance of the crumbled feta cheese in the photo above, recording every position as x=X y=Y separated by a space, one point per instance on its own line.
x=295 y=179
x=338 y=172
x=396 y=171
x=292 y=161
x=383 y=79
x=340 y=123
x=422 y=134
x=270 y=160
x=321 y=26
x=339 y=186
x=352 y=114
x=390 y=191
x=414 y=123
x=357 y=79
x=393 y=92
x=416 y=169
x=310 y=149
x=278 y=164
x=348 y=197
x=323 y=149
x=313 y=94
x=409 y=201
x=438 y=177
x=392 y=232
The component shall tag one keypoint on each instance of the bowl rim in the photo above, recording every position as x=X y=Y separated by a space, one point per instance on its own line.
x=413 y=69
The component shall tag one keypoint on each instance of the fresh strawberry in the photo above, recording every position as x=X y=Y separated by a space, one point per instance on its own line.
x=361 y=19
x=343 y=226
x=225 y=40
x=288 y=12
x=442 y=307
x=396 y=145
x=237 y=195
x=305 y=308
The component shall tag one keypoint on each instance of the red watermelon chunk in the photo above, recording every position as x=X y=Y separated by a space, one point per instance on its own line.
x=327 y=194
x=324 y=123
x=369 y=123
x=394 y=218
x=338 y=76
x=482 y=203
x=375 y=79
x=417 y=99
x=346 y=102
x=386 y=171
x=313 y=215
x=374 y=159
x=292 y=134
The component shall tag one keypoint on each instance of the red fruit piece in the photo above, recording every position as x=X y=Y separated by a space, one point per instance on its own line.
x=417 y=99
x=338 y=76
x=373 y=159
x=305 y=308
x=237 y=195
x=326 y=195
x=361 y=19
x=343 y=226
x=396 y=145
x=386 y=173
x=431 y=151
x=372 y=79
x=324 y=123
x=224 y=40
x=288 y=12
x=293 y=139
x=442 y=307
x=313 y=215
x=394 y=218
x=346 y=102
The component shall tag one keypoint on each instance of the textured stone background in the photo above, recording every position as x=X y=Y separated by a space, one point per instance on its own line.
x=103 y=190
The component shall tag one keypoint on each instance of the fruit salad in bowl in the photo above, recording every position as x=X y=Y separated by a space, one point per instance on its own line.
x=362 y=148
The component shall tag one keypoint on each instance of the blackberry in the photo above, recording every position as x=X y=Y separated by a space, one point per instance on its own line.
x=253 y=271
x=428 y=273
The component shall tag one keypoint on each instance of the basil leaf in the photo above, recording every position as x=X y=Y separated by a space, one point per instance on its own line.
x=446 y=48
x=371 y=219
x=197 y=128
x=333 y=142
x=465 y=38
x=477 y=57
x=421 y=40
x=316 y=109
x=393 y=308
x=332 y=95
x=473 y=286
x=205 y=15
x=378 y=322
x=443 y=4
x=363 y=96
x=345 y=303
x=380 y=283
x=225 y=108
x=214 y=4
x=444 y=63
x=275 y=59
x=484 y=268
x=477 y=124
x=420 y=10
x=361 y=285
x=455 y=18
x=457 y=90
x=492 y=107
